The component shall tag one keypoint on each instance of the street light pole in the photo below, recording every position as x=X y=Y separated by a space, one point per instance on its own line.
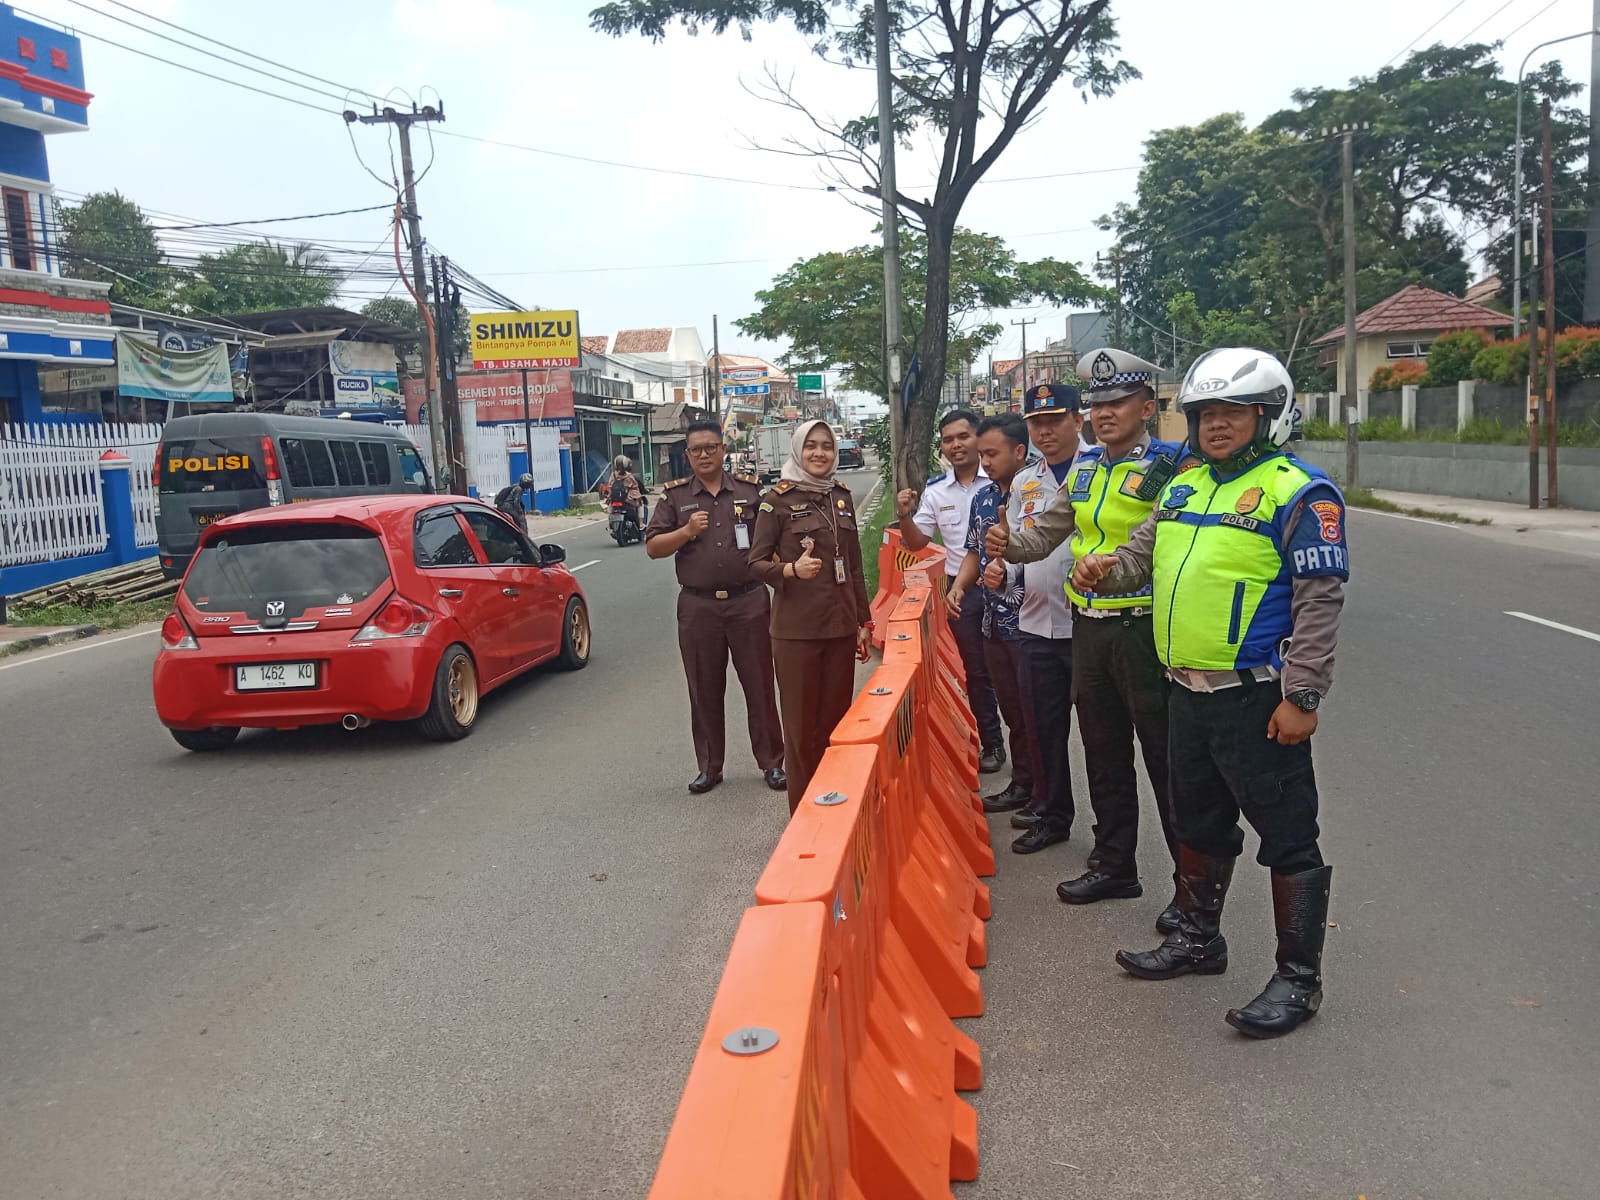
x=1516 y=188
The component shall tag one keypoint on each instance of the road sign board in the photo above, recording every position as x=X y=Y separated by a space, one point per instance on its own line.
x=746 y=389
x=810 y=383
x=744 y=374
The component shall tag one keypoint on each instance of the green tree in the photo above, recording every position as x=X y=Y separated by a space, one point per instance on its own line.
x=106 y=237
x=830 y=307
x=970 y=76
x=394 y=311
x=258 y=276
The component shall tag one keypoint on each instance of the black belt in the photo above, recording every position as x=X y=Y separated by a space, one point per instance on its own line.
x=722 y=593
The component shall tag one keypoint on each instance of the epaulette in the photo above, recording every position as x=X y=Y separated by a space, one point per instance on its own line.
x=755 y=479
x=839 y=483
x=936 y=478
x=782 y=486
x=671 y=483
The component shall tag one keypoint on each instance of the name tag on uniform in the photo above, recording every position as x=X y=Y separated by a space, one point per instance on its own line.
x=947 y=508
x=687 y=507
x=741 y=535
x=838 y=570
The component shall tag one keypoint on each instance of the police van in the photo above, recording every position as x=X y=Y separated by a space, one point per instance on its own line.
x=211 y=466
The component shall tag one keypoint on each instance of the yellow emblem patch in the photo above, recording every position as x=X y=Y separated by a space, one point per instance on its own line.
x=1131 y=482
x=1248 y=502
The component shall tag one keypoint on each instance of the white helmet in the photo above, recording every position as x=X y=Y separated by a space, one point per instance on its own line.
x=1240 y=375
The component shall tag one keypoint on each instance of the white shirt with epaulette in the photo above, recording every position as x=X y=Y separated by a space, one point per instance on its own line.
x=946 y=508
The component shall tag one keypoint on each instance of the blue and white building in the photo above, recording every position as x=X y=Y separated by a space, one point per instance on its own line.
x=45 y=319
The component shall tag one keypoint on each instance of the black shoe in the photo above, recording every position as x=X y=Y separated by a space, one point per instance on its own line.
x=1197 y=946
x=1167 y=922
x=1294 y=993
x=776 y=779
x=1027 y=818
x=991 y=760
x=1095 y=885
x=1039 y=837
x=1011 y=798
x=704 y=782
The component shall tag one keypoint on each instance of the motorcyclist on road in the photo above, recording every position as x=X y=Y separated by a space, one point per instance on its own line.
x=622 y=477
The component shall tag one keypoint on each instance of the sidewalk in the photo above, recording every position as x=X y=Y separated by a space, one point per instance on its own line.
x=1519 y=515
x=16 y=638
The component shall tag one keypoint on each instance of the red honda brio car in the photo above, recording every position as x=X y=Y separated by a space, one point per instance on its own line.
x=380 y=608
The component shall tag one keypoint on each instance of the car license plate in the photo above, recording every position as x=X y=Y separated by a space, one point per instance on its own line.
x=201 y=520
x=265 y=677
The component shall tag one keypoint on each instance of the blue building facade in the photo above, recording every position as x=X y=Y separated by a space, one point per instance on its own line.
x=45 y=319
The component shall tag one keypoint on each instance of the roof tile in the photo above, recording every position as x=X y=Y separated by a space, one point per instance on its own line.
x=1417 y=309
x=642 y=341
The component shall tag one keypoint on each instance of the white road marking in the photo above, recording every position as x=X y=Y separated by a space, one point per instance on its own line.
x=581 y=566
x=570 y=528
x=1583 y=633
x=1378 y=512
x=89 y=644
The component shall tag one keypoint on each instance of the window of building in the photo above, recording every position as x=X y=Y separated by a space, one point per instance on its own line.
x=1408 y=349
x=19 y=229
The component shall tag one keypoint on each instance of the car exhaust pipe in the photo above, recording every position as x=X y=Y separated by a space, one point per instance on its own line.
x=353 y=722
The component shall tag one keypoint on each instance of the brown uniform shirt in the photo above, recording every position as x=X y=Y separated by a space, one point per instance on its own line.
x=822 y=607
x=713 y=561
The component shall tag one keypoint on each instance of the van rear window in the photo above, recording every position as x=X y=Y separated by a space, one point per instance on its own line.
x=211 y=465
x=304 y=564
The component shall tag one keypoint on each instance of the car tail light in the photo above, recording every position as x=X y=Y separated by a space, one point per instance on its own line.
x=397 y=619
x=175 y=634
x=155 y=471
x=269 y=464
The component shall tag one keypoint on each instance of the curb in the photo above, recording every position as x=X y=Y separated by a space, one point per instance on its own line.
x=40 y=640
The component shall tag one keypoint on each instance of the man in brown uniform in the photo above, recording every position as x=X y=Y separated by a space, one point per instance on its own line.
x=705 y=523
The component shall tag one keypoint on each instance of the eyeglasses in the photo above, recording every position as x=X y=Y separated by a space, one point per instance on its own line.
x=702 y=451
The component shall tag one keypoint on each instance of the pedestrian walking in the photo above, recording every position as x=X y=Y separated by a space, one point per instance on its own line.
x=807 y=548
x=1118 y=684
x=943 y=508
x=1247 y=556
x=1003 y=451
x=1053 y=412
x=705 y=524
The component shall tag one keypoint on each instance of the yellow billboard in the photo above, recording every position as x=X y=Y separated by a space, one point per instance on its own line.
x=525 y=341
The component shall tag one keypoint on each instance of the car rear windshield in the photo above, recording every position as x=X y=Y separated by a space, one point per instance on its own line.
x=211 y=465
x=303 y=564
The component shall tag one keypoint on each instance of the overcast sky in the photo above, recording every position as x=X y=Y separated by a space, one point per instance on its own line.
x=638 y=248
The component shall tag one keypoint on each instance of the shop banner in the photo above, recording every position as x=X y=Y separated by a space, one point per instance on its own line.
x=145 y=371
x=364 y=375
x=498 y=395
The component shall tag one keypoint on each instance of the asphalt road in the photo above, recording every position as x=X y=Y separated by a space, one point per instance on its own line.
x=357 y=965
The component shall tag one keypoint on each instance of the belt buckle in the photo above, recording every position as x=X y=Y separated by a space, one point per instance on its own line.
x=721 y=593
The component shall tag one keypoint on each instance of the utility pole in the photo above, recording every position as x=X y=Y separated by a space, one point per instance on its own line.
x=1352 y=430
x=1591 y=281
x=1549 y=318
x=724 y=412
x=1533 y=366
x=891 y=241
x=444 y=302
x=403 y=121
x=1025 y=324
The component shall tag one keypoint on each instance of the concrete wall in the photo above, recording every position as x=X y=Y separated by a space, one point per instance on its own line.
x=1436 y=407
x=1451 y=469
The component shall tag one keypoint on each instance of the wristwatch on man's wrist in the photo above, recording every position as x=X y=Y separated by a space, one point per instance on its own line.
x=1306 y=699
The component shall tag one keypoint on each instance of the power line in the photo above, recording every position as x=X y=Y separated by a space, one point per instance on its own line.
x=1439 y=21
x=1482 y=23
x=340 y=212
x=239 y=50
x=184 y=67
x=1506 y=37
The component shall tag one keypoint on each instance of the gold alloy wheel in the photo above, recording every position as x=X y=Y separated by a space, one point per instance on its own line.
x=579 y=631
x=463 y=687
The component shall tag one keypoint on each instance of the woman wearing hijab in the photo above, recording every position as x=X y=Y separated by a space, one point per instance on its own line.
x=806 y=548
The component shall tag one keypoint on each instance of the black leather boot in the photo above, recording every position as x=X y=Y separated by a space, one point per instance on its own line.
x=1294 y=993
x=1167 y=922
x=1197 y=945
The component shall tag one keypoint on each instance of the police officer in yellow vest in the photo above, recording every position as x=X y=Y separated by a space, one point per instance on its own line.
x=1247 y=557
x=1118 y=684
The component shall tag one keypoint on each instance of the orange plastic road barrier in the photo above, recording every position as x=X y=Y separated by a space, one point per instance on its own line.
x=764 y=1116
x=909 y=1133
x=939 y=901
x=953 y=723
x=893 y=559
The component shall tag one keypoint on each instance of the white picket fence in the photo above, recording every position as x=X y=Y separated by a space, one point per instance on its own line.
x=50 y=502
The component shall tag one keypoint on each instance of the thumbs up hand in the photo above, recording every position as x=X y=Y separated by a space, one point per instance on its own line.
x=994 y=575
x=998 y=537
x=807 y=567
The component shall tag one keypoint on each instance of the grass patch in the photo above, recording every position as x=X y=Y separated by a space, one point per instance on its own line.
x=1362 y=497
x=872 y=539
x=103 y=616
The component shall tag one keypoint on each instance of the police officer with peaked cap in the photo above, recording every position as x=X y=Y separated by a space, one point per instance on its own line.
x=704 y=523
x=1118 y=683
